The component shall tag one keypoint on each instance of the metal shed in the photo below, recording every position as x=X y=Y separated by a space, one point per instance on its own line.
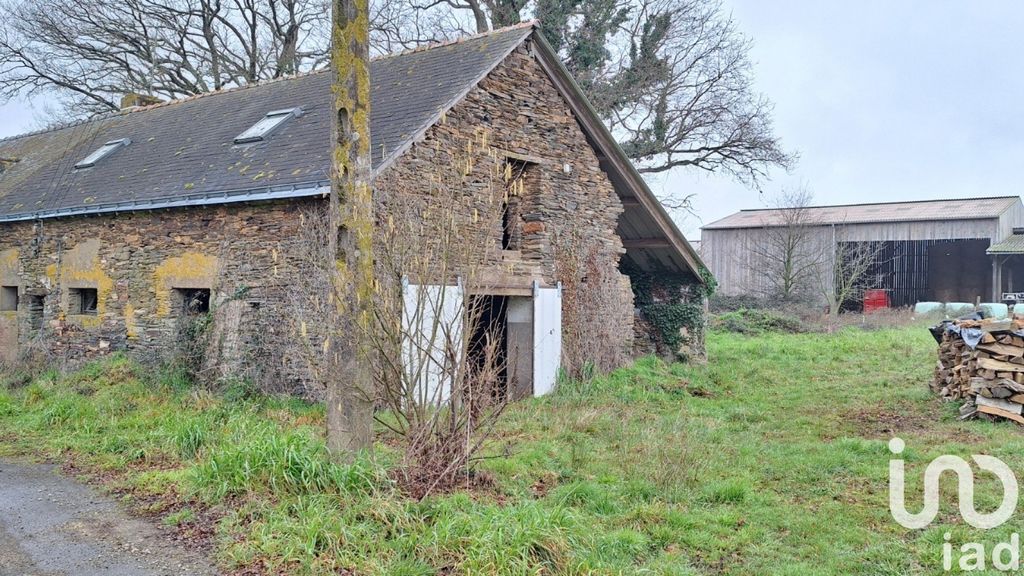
x=933 y=250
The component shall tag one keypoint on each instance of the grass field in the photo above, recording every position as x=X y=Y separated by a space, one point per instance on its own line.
x=771 y=459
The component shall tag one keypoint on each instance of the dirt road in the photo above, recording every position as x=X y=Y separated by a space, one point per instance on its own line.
x=51 y=525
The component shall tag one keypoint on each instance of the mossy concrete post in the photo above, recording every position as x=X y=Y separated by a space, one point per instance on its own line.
x=350 y=392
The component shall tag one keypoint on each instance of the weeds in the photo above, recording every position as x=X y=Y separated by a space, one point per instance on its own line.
x=747 y=321
x=764 y=458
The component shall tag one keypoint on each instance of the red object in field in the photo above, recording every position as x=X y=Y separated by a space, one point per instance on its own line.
x=876 y=299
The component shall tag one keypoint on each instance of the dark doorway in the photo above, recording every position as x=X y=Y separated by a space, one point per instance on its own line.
x=488 y=345
x=914 y=271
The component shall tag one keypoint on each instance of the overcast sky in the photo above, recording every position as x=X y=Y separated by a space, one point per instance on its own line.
x=883 y=100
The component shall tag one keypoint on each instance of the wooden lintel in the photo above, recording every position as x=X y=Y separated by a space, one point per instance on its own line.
x=628 y=243
x=630 y=202
x=523 y=157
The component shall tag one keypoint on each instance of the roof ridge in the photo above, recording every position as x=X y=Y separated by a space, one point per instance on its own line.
x=260 y=83
x=56 y=128
x=857 y=204
x=460 y=40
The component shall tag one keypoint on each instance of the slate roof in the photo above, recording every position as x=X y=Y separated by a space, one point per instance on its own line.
x=184 y=149
x=182 y=152
x=924 y=210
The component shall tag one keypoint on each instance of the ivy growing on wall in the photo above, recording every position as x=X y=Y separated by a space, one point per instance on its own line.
x=673 y=305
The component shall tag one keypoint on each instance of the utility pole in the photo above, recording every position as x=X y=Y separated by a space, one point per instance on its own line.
x=350 y=395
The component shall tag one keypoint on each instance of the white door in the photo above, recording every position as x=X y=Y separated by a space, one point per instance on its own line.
x=547 y=338
x=432 y=327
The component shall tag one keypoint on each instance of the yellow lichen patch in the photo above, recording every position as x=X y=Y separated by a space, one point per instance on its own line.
x=190 y=270
x=9 y=263
x=81 y=267
x=131 y=328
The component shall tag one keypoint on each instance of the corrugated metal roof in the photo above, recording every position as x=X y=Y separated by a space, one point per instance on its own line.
x=917 y=211
x=1013 y=244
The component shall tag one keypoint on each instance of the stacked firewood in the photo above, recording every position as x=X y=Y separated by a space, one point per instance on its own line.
x=981 y=362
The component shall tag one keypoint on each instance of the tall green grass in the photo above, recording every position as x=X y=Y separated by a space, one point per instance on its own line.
x=770 y=459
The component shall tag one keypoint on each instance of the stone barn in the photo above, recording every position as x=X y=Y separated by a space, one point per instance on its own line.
x=114 y=228
x=932 y=250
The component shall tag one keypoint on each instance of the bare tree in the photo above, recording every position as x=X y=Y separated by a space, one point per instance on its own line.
x=671 y=78
x=843 y=279
x=788 y=258
x=350 y=393
x=90 y=53
x=443 y=370
x=440 y=371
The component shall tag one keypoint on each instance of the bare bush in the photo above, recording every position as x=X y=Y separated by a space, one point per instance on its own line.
x=441 y=370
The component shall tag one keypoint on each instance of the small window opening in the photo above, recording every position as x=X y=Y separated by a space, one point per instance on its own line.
x=36 y=304
x=104 y=151
x=272 y=121
x=194 y=301
x=511 y=211
x=84 y=301
x=8 y=298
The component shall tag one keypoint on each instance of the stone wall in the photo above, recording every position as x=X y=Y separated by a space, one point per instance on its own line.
x=516 y=113
x=139 y=264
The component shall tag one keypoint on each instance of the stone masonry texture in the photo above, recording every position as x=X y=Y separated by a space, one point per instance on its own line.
x=140 y=263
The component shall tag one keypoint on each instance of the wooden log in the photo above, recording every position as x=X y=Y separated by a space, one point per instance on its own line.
x=1000 y=393
x=997 y=326
x=1001 y=404
x=1012 y=386
x=999 y=412
x=999 y=365
x=1002 y=349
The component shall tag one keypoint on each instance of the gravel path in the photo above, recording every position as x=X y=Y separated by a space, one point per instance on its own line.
x=51 y=525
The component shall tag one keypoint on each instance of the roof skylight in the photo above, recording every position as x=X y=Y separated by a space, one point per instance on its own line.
x=104 y=151
x=266 y=125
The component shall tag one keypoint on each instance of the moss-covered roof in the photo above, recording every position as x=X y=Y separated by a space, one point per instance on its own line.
x=185 y=148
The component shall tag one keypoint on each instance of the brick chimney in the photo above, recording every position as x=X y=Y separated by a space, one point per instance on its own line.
x=132 y=100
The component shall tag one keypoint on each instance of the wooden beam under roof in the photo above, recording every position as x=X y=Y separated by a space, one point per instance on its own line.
x=628 y=243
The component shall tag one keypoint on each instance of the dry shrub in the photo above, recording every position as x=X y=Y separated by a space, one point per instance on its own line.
x=438 y=369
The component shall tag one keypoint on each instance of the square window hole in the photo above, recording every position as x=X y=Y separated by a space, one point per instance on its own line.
x=8 y=298
x=84 y=301
x=193 y=300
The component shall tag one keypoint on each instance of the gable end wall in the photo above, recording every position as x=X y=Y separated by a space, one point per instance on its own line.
x=524 y=115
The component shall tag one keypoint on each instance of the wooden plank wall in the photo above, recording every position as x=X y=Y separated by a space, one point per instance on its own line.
x=730 y=256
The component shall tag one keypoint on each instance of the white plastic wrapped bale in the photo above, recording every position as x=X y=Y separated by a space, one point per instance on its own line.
x=928 y=308
x=996 y=310
x=954 y=309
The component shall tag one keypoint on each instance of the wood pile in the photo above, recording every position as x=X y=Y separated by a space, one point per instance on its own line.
x=981 y=362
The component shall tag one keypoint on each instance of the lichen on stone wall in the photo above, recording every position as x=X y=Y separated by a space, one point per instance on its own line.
x=9 y=264
x=190 y=270
x=82 y=267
